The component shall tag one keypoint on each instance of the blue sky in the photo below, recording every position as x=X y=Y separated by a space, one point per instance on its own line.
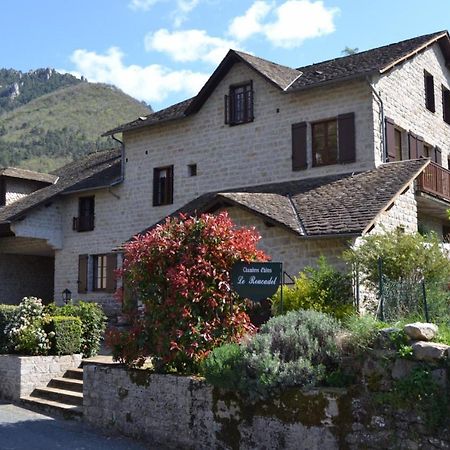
x=162 y=51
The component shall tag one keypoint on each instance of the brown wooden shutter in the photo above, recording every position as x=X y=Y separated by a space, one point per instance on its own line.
x=419 y=146
x=390 y=139
x=82 y=274
x=429 y=92
x=438 y=156
x=111 y=266
x=227 y=109
x=412 y=140
x=170 y=184
x=299 y=146
x=155 y=187
x=446 y=104
x=346 y=132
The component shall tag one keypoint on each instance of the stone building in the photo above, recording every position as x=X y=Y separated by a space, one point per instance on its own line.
x=313 y=157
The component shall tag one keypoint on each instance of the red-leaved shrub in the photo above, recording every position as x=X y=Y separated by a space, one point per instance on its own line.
x=181 y=272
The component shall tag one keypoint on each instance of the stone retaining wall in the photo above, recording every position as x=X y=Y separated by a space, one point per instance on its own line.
x=20 y=375
x=186 y=413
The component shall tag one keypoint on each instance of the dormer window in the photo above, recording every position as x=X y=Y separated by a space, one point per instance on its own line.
x=239 y=104
x=86 y=214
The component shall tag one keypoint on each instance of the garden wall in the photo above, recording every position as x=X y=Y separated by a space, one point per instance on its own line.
x=20 y=375
x=181 y=412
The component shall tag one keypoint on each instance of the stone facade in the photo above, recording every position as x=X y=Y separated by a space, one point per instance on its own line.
x=15 y=189
x=36 y=280
x=248 y=154
x=20 y=375
x=284 y=246
x=151 y=407
x=403 y=95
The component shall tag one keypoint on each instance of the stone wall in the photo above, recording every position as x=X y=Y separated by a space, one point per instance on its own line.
x=285 y=246
x=24 y=276
x=20 y=375
x=403 y=94
x=186 y=413
x=19 y=188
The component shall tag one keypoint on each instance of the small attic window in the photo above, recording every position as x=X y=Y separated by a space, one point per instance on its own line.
x=239 y=104
x=192 y=170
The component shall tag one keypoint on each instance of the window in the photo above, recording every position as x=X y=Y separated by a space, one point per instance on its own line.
x=446 y=104
x=333 y=140
x=429 y=91
x=163 y=186
x=325 y=143
x=398 y=144
x=239 y=104
x=97 y=273
x=192 y=170
x=427 y=151
x=100 y=272
x=86 y=217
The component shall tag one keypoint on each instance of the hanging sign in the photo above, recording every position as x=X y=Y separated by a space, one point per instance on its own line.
x=256 y=280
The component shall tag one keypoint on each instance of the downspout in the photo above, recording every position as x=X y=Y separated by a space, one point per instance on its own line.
x=122 y=158
x=384 y=157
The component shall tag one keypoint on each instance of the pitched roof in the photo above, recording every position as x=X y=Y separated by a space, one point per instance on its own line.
x=94 y=169
x=364 y=63
x=335 y=205
x=359 y=65
x=15 y=172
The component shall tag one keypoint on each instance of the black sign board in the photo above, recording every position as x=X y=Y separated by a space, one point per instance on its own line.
x=256 y=280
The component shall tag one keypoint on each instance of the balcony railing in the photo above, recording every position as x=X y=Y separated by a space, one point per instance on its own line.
x=435 y=180
x=83 y=223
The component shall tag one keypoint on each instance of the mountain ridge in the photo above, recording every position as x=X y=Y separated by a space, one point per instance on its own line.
x=55 y=123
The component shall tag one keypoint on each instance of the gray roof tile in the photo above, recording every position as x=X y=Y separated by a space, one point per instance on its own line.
x=332 y=205
x=92 y=169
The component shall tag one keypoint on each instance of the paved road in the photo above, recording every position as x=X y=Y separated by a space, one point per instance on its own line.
x=21 y=429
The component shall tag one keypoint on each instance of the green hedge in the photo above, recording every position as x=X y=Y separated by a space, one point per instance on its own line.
x=93 y=323
x=7 y=313
x=65 y=333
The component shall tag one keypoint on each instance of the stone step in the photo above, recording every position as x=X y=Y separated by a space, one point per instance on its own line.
x=52 y=408
x=59 y=395
x=68 y=384
x=77 y=374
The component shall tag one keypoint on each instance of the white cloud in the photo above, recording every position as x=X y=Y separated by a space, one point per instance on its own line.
x=143 y=5
x=153 y=83
x=298 y=20
x=189 y=45
x=179 y=14
x=184 y=7
x=291 y=23
x=243 y=27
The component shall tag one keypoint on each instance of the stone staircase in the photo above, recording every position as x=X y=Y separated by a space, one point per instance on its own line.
x=62 y=396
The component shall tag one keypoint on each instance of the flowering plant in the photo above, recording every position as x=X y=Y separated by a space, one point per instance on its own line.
x=181 y=272
x=25 y=333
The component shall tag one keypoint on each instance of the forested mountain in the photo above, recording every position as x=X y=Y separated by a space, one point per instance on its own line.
x=48 y=119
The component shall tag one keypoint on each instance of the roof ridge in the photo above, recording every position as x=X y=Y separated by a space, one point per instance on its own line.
x=392 y=44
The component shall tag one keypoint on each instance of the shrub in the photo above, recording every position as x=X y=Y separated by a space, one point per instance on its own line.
x=181 y=272
x=93 y=324
x=25 y=332
x=323 y=289
x=290 y=350
x=364 y=331
x=406 y=256
x=66 y=334
x=7 y=313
